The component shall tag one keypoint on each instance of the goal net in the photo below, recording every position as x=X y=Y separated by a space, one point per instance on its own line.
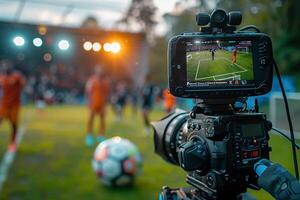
x=277 y=112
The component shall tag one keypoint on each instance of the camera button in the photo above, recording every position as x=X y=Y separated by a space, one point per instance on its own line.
x=245 y=162
x=261 y=67
x=262 y=60
x=262 y=50
x=179 y=90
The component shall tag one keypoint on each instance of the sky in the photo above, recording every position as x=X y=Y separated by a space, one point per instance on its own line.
x=71 y=13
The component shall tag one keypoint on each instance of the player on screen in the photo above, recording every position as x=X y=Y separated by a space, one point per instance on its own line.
x=234 y=55
x=212 y=54
x=169 y=101
x=97 y=92
x=11 y=83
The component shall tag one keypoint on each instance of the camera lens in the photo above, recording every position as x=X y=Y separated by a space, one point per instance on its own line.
x=219 y=18
x=169 y=133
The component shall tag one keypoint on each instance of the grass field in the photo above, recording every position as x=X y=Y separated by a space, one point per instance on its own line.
x=52 y=161
x=200 y=66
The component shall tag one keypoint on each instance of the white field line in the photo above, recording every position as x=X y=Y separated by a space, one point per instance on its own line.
x=197 y=69
x=8 y=157
x=189 y=57
x=205 y=59
x=239 y=66
x=234 y=73
x=243 y=52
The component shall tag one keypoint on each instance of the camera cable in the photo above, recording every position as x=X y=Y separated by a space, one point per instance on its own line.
x=293 y=141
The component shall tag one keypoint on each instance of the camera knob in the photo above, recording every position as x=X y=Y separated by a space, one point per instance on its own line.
x=193 y=155
x=269 y=125
x=211 y=180
x=194 y=126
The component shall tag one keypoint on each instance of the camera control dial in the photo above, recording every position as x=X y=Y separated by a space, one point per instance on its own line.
x=193 y=155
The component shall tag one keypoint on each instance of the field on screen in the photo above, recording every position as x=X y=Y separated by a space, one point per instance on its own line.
x=201 y=67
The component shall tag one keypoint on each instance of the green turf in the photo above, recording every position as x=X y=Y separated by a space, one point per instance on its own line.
x=53 y=163
x=200 y=66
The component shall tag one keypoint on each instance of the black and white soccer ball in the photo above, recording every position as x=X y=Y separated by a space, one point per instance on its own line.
x=117 y=162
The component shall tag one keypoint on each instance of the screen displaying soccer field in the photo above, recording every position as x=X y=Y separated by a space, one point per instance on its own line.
x=219 y=62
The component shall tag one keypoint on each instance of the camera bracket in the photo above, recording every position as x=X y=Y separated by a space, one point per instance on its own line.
x=213 y=107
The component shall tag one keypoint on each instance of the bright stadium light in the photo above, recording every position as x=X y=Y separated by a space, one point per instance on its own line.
x=115 y=47
x=19 y=41
x=47 y=57
x=63 y=44
x=107 y=47
x=87 y=46
x=96 y=46
x=37 y=42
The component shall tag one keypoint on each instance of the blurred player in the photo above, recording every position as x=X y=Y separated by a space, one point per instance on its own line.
x=97 y=91
x=233 y=56
x=147 y=102
x=11 y=83
x=212 y=54
x=40 y=89
x=134 y=99
x=169 y=101
x=121 y=99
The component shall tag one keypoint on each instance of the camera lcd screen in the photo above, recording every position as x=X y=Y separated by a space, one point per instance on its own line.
x=219 y=62
x=252 y=130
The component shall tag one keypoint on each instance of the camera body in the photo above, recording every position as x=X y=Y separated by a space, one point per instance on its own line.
x=233 y=144
x=188 y=57
x=217 y=151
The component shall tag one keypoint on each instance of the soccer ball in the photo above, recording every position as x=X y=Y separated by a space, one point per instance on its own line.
x=117 y=162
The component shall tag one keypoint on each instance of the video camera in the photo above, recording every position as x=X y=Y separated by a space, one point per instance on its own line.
x=218 y=142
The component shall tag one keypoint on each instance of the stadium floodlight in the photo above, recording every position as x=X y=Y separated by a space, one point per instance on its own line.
x=19 y=41
x=42 y=30
x=87 y=46
x=115 y=47
x=64 y=44
x=38 y=42
x=197 y=41
x=107 y=47
x=96 y=46
x=47 y=57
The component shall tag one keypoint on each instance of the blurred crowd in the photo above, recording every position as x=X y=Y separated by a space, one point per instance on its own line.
x=56 y=84
x=62 y=84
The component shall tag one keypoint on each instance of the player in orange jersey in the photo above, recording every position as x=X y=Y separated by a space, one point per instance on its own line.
x=233 y=56
x=98 y=92
x=169 y=100
x=11 y=83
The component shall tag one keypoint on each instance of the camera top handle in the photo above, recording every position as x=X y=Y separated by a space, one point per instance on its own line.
x=219 y=21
